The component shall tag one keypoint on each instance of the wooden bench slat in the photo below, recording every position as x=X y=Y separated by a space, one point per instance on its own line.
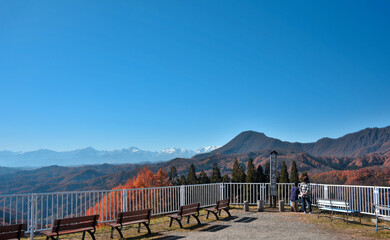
x=12 y=231
x=133 y=213
x=186 y=211
x=133 y=218
x=191 y=210
x=129 y=218
x=11 y=235
x=50 y=233
x=126 y=223
x=13 y=227
x=76 y=219
x=75 y=226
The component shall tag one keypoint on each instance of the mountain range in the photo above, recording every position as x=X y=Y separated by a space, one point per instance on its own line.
x=364 y=153
x=89 y=155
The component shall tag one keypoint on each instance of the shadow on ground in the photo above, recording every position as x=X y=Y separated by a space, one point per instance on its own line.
x=227 y=219
x=246 y=220
x=214 y=228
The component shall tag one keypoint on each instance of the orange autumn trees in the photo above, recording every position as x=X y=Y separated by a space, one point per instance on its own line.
x=110 y=203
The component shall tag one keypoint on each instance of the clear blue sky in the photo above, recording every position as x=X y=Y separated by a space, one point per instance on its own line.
x=155 y=74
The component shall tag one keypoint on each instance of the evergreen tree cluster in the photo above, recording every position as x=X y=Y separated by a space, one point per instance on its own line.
x=192 y=178
x=252 y=174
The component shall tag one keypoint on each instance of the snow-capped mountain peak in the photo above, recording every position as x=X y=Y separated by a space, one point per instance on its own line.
x=89 y=155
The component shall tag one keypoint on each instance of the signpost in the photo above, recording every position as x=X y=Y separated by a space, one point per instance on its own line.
x=272 y=174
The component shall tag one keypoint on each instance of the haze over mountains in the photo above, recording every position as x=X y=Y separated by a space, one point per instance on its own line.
x=89 y=155
x=366 y=152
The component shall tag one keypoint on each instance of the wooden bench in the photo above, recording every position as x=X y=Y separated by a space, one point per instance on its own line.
x=73 y=225
x=129 y=218
x=186 y=211
x=12 y=231
x=333 y=206
x=219 y=206
x=379 y=215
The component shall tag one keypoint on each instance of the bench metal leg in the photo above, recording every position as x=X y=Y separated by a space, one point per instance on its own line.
x=227 y=211
x=216 y=215
x=147 y=227
x=208 y=212
x=112 y=233
x=188 y=219
x=83 y=235
x=197 y=219
x=118 y=230
x=139 y=227
x=92 y=234
x=177 y=220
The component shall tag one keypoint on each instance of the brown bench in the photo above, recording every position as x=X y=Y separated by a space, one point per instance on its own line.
x=186 y=211
x=129 y=218
x=221 y=205
x=73 y=225
x=12 y=231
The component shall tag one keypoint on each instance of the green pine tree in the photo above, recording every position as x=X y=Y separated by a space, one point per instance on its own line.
x=235 y=171
x=241 y=173
x=294 y=175
x=250 y=172
x=173 y=173
x=225 y=178
x=260 y=177
x=182 y=180
x=216 y=175
x=238 y=173
x=191 y=176
x=203 y=178
x=284 y=174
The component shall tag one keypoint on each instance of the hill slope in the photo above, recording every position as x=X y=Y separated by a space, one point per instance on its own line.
x=369 y=140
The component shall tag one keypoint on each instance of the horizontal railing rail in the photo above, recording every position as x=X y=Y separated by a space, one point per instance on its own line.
x=39 y=210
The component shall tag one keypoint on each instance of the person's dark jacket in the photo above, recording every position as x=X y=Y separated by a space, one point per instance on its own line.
x=294 y=194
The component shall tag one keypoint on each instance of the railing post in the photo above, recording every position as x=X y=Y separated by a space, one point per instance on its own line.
x=182 y=195
x=222 y=191
x=33 y=203
x=376 y=196
x=124 y=198
x=326 y=193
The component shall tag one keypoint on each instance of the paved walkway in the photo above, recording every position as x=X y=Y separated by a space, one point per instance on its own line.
x=254 y=225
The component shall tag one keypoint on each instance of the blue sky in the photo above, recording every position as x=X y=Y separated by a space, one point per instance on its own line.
x=156 y=74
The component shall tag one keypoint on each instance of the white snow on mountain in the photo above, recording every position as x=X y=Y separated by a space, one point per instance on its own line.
x=89 y=155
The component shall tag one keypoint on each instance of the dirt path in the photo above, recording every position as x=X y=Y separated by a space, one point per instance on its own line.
x=253 y=225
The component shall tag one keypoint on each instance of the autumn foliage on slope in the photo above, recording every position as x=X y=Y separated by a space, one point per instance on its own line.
x=111 y=202
x=374 y=176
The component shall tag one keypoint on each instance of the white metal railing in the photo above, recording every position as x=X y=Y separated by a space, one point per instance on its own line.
x=38 y=210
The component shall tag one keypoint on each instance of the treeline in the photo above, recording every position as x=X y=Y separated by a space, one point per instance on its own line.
x=252 y=174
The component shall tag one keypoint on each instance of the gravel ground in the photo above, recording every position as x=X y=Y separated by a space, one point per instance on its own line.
x=254 y=225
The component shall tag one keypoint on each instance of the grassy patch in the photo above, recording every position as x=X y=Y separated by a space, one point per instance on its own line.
x=159 y=225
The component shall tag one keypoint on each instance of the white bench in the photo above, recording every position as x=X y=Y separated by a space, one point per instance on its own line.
x=333 y=206
x=380 y=211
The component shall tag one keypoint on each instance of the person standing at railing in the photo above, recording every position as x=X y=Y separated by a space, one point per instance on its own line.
x=305 y=190
x=294 y=197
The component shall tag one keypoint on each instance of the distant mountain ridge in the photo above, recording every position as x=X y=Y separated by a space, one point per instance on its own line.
x=89 y=155
x=369 y=140
x=366 y=152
